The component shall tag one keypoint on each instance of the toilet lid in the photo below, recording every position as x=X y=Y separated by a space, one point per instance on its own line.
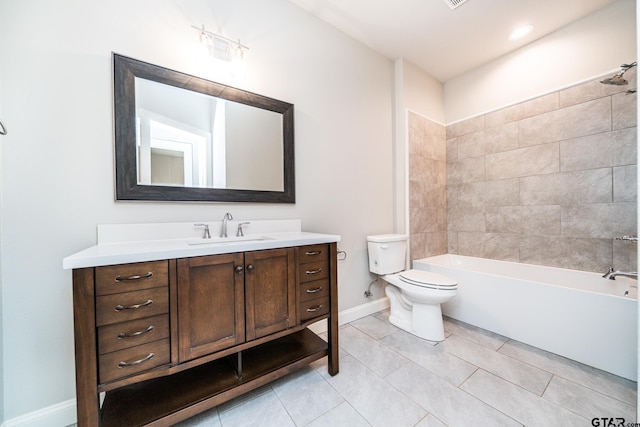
x=427 y=279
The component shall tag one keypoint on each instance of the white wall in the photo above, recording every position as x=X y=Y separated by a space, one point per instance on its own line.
x=588 y=48
x=424 y=94
x=57 y=161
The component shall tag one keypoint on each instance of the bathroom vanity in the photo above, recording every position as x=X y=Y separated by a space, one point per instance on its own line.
x=169 y=328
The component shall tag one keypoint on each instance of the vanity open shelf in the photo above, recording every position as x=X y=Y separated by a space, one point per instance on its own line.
x=164 y=338
x=210 y=384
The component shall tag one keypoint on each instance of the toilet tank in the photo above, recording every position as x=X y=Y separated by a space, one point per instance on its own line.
x=387 y=253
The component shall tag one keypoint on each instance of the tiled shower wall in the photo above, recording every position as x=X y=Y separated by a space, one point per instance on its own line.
x=549 y=181
x=427 y=187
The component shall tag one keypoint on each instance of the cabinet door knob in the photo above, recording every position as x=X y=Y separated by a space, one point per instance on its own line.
x=239 y=269
x=250 y=267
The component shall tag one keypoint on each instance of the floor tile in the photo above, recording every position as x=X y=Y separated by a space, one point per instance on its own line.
x=373 y=398
x=430 y=421
x=342 y=415
x=595 y=379
x=520 y=404
x=443 y=400
x=393 y=378
x=508 y=368
x=265 y=410
x=374 y=327
x=369 y=351
x=586 y=402
x=434 y=358
x=205 y=419
x=474 y=334
x=306 y=395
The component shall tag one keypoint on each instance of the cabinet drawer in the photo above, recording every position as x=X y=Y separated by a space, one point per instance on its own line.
x=113 y=279
x=312 y=253
x=313 y=271
x=130 y=334
x=314 y=308
x=131 y=305
x=311 y=290
x=133 y=360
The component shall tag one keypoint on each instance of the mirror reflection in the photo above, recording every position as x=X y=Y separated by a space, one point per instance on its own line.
x=189 y=139
x=183 y=138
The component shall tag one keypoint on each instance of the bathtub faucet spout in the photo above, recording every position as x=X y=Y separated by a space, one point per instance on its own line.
x=611 y=274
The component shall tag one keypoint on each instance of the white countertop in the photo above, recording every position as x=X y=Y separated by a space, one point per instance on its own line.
x=138 y=251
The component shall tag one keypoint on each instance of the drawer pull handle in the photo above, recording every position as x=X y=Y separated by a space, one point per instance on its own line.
x=133 y=307
x=124 y=364
x=136 y=277
x=310 y=272
x=313 y=291
x=122 y=335
x=313 y=253
x=314 y=309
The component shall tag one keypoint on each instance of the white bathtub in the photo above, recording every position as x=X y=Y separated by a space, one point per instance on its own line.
x=576 y=314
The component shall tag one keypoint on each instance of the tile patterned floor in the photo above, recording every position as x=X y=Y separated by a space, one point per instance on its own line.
x=391 y=378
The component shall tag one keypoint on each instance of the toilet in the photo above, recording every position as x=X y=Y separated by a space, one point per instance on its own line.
x=415 y=295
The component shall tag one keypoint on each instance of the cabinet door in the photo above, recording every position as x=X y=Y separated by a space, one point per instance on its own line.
x=270 y=291
x=210 y=304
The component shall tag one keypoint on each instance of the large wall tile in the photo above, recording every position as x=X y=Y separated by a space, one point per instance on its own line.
x=521 y=111
x=422 y=194
x=428 y=219
x=488 y=141
x=548 y=181
x=503 y=192
x=625 y=180
x=583 y=119
x=587 y=92
x=625 y=110
x=601 y=150
x=467 y=218
x=532 y=220
x=487 y=245
x=452 y=150
x=567 y=252
x=428 y=170
x=464 y=127
x=625 y=256
x=592 y=186
x=604 y=221
x=427 y=187
x=535 y=160
x=467 y=170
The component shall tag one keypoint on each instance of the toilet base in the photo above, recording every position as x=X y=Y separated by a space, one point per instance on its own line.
x=421 y=320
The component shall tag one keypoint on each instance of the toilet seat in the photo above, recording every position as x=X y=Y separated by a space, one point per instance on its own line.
x=427 y=279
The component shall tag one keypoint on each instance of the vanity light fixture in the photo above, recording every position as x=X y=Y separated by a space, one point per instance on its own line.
x=220 y=47
x=520 y=32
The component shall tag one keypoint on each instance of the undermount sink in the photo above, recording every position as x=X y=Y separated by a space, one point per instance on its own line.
x=218 y=240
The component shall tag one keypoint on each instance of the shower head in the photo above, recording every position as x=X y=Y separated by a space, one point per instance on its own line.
x=617 y=79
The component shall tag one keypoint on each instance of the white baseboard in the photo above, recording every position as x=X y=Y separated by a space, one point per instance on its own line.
x=59 y=415
x=355 y=313
x=64 y=414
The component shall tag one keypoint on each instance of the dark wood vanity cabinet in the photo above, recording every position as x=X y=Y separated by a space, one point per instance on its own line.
x=168 y=339
x=210 y=304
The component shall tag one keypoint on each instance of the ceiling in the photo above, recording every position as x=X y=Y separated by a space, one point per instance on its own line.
x=446 y=43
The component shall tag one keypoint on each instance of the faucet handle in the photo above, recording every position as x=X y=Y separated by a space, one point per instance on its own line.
x=206 y=234
x=240 y=231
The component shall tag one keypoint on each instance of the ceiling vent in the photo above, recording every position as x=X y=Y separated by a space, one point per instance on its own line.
x=454 y=3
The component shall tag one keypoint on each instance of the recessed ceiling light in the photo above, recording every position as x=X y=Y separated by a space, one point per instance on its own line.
x=520 y=32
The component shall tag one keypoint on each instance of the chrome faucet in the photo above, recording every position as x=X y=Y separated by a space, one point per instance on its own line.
x=611 y=274
x=206 y=234
x=240 y=232
x=223 y=229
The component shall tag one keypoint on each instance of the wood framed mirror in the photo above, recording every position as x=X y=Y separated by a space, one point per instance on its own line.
x=183 y=138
